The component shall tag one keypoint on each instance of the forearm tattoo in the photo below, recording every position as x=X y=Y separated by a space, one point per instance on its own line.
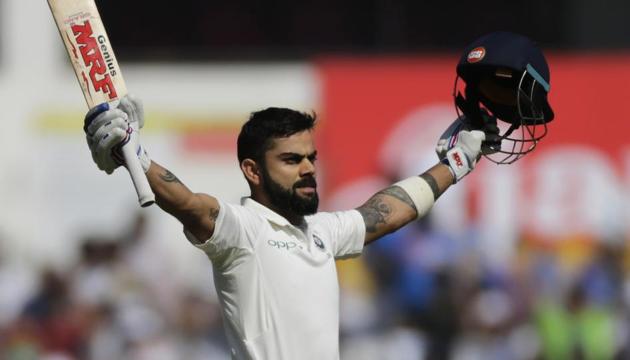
x=400 y=194
x=169 y=177
x=433 y=184
x=375 y=211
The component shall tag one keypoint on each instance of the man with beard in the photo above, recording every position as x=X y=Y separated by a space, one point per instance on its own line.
x=274 y=255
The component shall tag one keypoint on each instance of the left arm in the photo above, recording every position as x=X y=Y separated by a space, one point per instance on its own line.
x=392 y=208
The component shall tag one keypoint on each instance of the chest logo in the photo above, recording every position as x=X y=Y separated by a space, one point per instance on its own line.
x=283 y=245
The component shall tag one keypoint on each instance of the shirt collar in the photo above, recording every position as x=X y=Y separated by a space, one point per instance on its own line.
x=269 y=214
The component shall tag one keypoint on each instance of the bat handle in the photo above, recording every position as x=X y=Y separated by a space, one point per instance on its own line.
x=139 y=179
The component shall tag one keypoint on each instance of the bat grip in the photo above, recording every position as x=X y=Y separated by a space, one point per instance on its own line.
x=139 y=179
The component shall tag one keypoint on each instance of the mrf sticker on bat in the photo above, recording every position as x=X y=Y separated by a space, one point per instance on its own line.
x=92 y=52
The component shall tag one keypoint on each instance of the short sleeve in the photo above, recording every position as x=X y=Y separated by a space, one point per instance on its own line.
x=345 y=231
x=230 y=237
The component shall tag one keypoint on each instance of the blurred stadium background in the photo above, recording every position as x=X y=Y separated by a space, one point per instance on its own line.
x=529 y=261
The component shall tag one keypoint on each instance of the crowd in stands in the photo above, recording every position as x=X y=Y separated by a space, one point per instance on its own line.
x=416 y=294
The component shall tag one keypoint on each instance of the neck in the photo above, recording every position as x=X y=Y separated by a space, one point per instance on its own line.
x=295 y=220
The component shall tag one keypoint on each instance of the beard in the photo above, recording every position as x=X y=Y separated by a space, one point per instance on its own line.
x=288 y=199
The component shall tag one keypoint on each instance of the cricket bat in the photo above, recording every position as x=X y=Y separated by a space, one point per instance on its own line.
x=97 y=70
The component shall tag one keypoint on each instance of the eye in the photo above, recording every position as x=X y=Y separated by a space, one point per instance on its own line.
x=293 y=160
x=312 y=158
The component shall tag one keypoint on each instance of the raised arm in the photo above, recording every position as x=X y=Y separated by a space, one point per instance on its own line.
x=107 y=127
x=392 y=208
x=410 y=199
x=196 y=211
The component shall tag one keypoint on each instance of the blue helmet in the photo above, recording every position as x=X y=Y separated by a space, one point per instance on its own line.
x=506 y=78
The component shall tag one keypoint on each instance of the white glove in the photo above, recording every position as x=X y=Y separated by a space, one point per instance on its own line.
x=109 y=126
x=459 y=147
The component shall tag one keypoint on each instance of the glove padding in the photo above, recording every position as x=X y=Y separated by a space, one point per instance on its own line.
x=459 y=147
x=490 y=145
x=109 y=126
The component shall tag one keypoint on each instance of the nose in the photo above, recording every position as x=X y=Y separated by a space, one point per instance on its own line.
x=307 y=167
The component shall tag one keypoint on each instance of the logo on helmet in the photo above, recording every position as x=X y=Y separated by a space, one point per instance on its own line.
x=476 y=54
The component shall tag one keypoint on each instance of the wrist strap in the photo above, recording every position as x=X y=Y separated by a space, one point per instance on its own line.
x=419 y=192
x=445 y=162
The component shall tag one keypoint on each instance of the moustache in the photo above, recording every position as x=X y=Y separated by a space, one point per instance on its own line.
x=306 y=182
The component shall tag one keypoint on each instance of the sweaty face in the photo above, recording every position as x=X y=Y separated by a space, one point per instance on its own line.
x=288 y=175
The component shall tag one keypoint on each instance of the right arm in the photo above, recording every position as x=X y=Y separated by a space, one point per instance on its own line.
x=196 y=211
x=107 y=127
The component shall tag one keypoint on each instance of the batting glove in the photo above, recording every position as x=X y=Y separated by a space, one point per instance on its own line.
x=460 y=148
x=109 y=126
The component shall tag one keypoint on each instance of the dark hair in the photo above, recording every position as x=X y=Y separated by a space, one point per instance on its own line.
x=265 y=125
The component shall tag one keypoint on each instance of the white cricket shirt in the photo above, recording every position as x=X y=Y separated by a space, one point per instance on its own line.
x=277 y=283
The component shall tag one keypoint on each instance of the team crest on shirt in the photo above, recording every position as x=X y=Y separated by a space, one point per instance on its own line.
x=318 y=242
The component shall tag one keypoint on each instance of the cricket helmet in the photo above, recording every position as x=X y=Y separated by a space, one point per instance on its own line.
x=504 y=77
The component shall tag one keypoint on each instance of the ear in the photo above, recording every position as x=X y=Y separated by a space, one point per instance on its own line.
x=251 y=171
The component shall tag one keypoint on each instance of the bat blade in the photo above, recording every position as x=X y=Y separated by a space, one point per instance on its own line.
x=97 y=70
x=89 y=50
